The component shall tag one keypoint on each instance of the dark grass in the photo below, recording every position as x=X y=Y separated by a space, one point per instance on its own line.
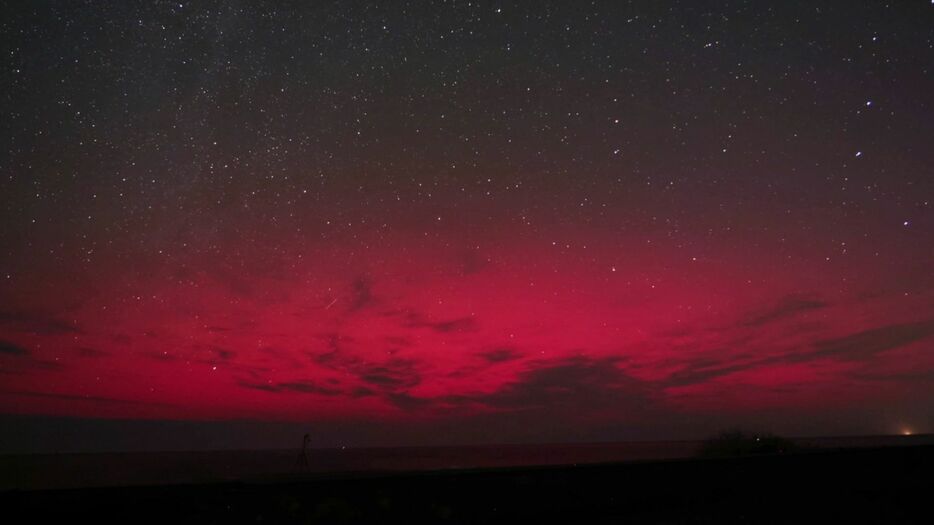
x=871 y=485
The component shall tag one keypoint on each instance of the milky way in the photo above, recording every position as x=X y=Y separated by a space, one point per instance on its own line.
x=546 y=221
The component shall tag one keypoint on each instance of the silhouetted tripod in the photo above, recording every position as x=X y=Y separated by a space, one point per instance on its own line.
x=303 y=455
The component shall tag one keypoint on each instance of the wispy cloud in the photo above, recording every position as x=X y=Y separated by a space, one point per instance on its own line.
x=302 y=387
x=501 y=354
x=9 y=348
x=81 y=397
x=36 y=323
x=855 y=347
x=787 y=307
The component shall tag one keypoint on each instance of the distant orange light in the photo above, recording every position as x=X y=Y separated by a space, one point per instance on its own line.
x=906 y=432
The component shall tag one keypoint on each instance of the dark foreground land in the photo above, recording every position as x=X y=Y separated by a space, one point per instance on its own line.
x=881 y=485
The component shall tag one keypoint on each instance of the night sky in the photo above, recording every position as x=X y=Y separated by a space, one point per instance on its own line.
x=458 y=222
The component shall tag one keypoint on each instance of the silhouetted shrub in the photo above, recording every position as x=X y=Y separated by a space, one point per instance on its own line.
x=736 y=443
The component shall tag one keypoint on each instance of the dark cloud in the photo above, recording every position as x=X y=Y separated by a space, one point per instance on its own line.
x=265 y=387
x=460 y=324
x=575 y=386
x=787 y=307
x=577 y=382
x=361 y=293
x=919 y=376
x=282 y=356
x=302 y=387
x=870 y=342
x=853 y=347
x=21 y=360
x=501 y=354
x=309 y=387
x=463 y=324
x=44 y=364
x=9 y=348
x=403 y=342
x=388 y=379
x=124 y=339
x=77 y=397
x=92 y=353
x=161 y=356
x=305 y=387
x=405 y=401
x=336 y=358
x=36 y=323
x=361 y=391
x=392 y=375
x=695 y=373
x=336 y=341
x=225 y=355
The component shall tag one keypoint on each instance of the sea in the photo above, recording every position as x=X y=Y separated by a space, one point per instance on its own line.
x=64 y=471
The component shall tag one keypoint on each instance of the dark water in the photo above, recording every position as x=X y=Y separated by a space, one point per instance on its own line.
x=139 y=468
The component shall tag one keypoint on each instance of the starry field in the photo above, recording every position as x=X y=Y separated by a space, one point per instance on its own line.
x=469 y=222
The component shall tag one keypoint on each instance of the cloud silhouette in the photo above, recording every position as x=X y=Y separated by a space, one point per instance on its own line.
x=21 y=360
x=918 y=376
x=393 y=374
x=223 y=354
x=302 y=387
x=389 y=379
x=9 y=348
x=164 y=357
x=501 y=354
x=787 y=307
x=337 y=357
x=461 y=324
x=91 y=353
x=35 y=323
x=874 y=341
x=361 y=391
x=405 y=401
x=857 y=346
x=573 y=386
x=596 y=384
x=361 y=293
x=81 y=397
x=402 y=342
